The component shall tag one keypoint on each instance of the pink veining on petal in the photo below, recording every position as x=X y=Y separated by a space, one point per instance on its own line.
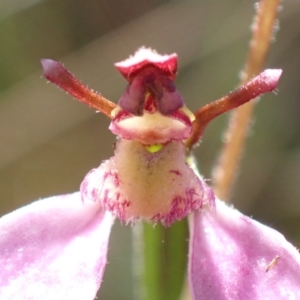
x=155 y=186
x=102 y=185
x=54 y=249
x=233 y=257
x=146 y=57
x=182 y=206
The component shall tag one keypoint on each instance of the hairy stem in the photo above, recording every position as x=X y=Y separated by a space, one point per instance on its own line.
x=263 y=30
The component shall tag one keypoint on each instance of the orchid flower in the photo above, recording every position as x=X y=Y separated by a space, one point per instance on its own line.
x=56 y=248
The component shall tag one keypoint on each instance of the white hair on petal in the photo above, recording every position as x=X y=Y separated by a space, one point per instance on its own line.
x=144 y=54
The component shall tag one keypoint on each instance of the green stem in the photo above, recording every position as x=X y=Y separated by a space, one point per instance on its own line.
x=164 y=260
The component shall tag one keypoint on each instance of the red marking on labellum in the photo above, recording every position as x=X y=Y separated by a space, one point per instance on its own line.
x=176 y=172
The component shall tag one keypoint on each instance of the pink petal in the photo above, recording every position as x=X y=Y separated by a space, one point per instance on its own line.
x=53 y=249
x=234 y=257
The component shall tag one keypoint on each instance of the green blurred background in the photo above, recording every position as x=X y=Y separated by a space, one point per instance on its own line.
x=48 y=141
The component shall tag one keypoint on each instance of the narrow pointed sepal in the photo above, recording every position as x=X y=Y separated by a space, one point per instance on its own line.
x=265 y=82
x=233 y=257
x=54 y=249
x=56 y=73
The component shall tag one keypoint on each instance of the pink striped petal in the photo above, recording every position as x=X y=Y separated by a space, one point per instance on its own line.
x=53 y=249
x=234 y=257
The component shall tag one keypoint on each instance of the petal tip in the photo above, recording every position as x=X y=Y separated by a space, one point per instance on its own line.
x=270 y=78
x=146 y=56
x=51 y=68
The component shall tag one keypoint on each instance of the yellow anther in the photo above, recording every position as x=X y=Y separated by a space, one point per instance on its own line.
x=154 y=147
x=187 y=112
x=115 y=111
